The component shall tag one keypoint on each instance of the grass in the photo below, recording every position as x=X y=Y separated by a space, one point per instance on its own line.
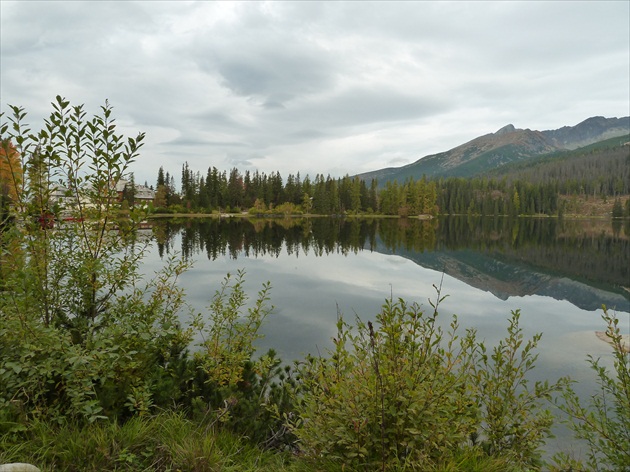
x=165 y=442
x=170 y=442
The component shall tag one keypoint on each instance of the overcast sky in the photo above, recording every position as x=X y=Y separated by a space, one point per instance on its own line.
x=316 y=87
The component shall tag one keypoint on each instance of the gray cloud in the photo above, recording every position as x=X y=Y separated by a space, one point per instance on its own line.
x=272 y=72
x=316 y=87
x=361 y=106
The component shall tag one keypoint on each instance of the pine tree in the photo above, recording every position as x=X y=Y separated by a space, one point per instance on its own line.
x=617 y=210
x=160 y=177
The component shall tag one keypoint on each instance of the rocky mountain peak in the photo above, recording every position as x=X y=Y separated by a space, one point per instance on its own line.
x=506 y=129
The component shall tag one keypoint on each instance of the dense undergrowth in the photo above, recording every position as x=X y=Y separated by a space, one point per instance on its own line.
x=99 y=372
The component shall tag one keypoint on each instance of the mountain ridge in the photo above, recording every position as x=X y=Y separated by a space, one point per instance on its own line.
x=582 y=134
x=507 y=145
x=505 y=276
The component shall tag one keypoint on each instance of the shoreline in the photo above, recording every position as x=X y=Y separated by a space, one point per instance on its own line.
x=625 y=340
x=375 y=215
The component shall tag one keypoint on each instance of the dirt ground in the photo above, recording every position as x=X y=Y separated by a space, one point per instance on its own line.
x=591 y=206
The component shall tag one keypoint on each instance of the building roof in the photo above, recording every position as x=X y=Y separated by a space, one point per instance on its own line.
x=142 y=192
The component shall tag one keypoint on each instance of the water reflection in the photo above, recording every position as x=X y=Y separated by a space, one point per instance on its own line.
x=558 y=273
x=586 y=262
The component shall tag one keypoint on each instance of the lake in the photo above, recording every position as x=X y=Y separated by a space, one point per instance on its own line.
x=558 y=273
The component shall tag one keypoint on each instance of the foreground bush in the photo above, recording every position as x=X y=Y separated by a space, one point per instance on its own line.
x=604 y=422
x=405 y=395
x=84 y=338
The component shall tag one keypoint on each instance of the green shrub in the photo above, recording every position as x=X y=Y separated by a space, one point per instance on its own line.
x=82 y=337
x=604 y=422
x=244 y=393
x=402 y=394
x=391 y=396
x=515 y=422
x=178 y=209
x=287 y=208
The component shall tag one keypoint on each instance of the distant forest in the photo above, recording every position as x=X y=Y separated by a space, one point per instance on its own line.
x=527 y=188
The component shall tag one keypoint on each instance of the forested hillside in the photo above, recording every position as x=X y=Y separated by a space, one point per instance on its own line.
x=505 y=147
x=536 y=188
x=599 y=169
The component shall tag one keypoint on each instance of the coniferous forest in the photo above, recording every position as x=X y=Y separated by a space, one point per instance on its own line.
x=536 y=187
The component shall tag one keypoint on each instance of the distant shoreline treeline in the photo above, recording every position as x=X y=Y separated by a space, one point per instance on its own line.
x=535 y=188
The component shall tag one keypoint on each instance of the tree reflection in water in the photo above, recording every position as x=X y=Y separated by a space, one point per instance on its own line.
x=594 y=252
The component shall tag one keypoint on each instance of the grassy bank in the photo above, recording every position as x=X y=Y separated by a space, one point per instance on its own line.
x=170 y=442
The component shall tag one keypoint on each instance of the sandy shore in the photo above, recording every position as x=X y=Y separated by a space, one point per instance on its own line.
x=625 y=339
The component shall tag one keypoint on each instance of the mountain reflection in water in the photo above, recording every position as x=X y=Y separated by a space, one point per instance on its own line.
x=558 y=273
x=585 y=262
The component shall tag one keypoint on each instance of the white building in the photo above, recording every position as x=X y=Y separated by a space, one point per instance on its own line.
x=143 y=194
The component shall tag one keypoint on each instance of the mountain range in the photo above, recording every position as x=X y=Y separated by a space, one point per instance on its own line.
x=507 y=145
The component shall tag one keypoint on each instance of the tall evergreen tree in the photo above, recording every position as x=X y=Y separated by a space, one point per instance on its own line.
x=160 y=177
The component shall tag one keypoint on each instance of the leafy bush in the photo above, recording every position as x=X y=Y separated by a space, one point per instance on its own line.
x=82 y=336
x=245 y=393
x=389 y=396
x=404 y=394
x=515 y=423
x=287 y=208
x=604 y=423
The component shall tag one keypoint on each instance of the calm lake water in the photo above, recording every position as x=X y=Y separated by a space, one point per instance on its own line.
x=557 y=273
